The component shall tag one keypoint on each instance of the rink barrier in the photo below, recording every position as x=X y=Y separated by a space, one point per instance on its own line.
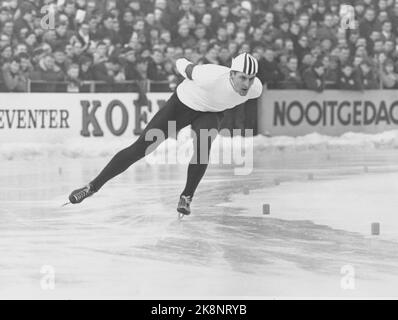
x=266 y=209
x=375 y=229
x=333 y=113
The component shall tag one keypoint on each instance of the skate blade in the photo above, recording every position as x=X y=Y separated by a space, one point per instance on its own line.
x=66 y=204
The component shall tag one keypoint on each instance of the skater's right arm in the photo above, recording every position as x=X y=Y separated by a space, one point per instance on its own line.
x=185 y=68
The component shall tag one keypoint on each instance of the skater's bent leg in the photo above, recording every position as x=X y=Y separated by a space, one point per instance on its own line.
x=206 y=128
x=127 y=157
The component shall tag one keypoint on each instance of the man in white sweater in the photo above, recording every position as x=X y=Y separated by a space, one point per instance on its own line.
x=207 y=91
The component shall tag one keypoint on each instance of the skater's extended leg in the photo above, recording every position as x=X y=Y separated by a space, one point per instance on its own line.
x=172 y=111
x=206 y=128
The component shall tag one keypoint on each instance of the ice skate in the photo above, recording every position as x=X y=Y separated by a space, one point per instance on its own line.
x=184 y=206
x=79 y=195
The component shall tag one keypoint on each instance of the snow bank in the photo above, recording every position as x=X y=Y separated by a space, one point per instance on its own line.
x=86 y=148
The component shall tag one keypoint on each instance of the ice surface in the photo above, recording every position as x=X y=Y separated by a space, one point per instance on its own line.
x=126 y=241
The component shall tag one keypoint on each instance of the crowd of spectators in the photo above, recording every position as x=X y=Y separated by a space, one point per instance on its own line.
x=300 y=44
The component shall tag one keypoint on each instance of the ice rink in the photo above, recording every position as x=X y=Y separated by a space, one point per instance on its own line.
x=126 y=241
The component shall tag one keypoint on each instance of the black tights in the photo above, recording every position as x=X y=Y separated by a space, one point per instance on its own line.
x=174 y=110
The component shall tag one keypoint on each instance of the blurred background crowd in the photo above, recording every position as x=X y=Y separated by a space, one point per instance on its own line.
x=300 y=44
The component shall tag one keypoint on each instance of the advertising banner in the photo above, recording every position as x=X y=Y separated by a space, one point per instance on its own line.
x=54 y=118
x=333 y=113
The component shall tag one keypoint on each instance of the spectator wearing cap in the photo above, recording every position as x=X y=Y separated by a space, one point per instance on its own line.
x=368 y=23
x=5 y=15
x=257 y=38
x=141 y=67
x=291 y=76
x=4 y=41
x=302 y=47
x=294 y=33
x=72 y=78
x=69 y=10
x=349 y=79
x=49 y=72
x=222 y=15
x=268 y=70
x=50 y=38
x=105 y=71
x=304 y=22
x=119 y=71
x=185 y=12
x=332 y=73
x=8 y=29
x=169 y=68
x=344 y=55
x=106 y=29
x=62 y=35
x=199 y=9
x=367 y=76
x=14 y=79
x=26 y=18
x=200 y=32
x=318 y=15
x=100 y=53
x=207 y=21
x=61 y=60
x=222 y=36
x=85 y=68
x=93 y=25
x=225 y=57
x=378 y=48
x=6 y=55
x=394 y=16
x=314 y=77
x=283 y=30
x=389 y=49
x=25 y=65
x=184 y=39
x=20 y=48
x=211 y=56
x=240 y=38
x=386 y=31
x=389 y=77
x=31 y=42
x=327 y=30
x=359 y=7
x=290 y=11
x=156 y=70
x=233 y=48
x=381 y=18
x=127 y=25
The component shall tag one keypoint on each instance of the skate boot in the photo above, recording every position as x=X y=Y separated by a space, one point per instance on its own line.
x=79 y=195
x=184 y=205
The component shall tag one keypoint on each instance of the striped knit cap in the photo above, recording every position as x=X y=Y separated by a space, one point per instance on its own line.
x=245 y=63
